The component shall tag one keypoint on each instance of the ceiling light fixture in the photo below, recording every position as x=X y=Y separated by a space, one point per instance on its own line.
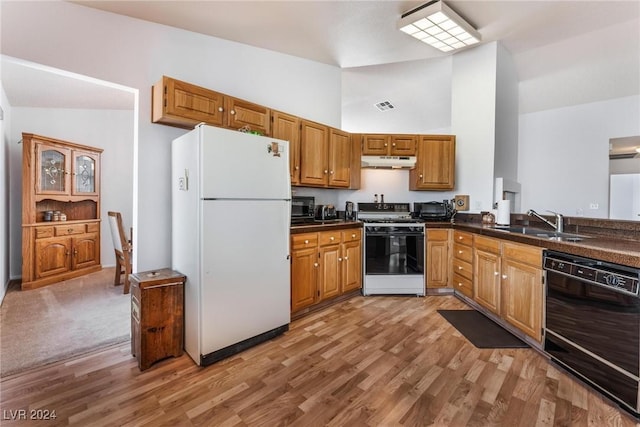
x=438 y=25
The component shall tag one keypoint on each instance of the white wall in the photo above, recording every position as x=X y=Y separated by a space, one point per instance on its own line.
x=419 y=90
x=473 y=121
x=5 y=129
x=111 y=130
x=136 y=54
x=563 y=162
x=506 y=149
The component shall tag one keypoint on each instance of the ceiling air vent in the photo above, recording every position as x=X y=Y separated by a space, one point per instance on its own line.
x=384 y=106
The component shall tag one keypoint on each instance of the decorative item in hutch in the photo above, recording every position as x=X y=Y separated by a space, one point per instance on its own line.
x=60 y=210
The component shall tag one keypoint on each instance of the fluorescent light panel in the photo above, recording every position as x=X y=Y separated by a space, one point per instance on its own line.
x=439 y=26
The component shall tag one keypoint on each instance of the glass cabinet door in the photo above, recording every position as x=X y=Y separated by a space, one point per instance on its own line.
x=52 y=170
x=85 y=173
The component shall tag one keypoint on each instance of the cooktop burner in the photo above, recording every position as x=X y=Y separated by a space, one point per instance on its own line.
x=381 y=213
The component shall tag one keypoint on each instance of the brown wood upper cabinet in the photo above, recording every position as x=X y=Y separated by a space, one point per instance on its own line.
x=435 y=163
x=287 y=127
x=325 y=156
x=388 y=145
x=182 y=104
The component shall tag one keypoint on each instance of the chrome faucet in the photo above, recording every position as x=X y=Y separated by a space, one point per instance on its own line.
x=558 y=226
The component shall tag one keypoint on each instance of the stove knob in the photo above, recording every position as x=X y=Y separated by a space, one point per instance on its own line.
x=612 y=280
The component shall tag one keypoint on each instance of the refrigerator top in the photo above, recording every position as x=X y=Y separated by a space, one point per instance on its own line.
x=237 y=165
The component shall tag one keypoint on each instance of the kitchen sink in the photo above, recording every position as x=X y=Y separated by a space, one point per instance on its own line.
x=544 y=234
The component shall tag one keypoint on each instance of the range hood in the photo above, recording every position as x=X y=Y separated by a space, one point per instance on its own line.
x=388 y=162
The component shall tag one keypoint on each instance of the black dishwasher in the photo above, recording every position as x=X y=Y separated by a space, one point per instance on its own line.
x=592 y=323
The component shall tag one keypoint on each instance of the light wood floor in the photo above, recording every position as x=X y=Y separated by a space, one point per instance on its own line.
x=375 y=361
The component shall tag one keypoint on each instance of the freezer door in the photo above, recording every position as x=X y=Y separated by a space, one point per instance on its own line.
x=245 y=270
x=243 y=166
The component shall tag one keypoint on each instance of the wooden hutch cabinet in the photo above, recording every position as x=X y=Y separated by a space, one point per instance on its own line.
x=60 y=210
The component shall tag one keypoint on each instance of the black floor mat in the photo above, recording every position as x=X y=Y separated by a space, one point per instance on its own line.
x=480 y=330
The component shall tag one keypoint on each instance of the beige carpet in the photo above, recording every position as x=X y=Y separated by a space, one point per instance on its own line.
x=62 y=320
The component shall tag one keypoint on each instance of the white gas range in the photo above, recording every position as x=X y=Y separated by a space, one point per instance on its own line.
x=394 y=256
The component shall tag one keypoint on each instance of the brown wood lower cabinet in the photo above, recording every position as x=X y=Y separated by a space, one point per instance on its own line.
x=462 y=263
x=60 y=252
x=324 y=265
x=438 y=258
x=522 y=288
x=507 y=281
x=486 y=272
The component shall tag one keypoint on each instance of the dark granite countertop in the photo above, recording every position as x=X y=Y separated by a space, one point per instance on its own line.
x=616 y=250
x=337 y=224
x=605 y=248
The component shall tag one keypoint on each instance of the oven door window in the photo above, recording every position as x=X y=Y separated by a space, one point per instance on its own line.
x=394 y=254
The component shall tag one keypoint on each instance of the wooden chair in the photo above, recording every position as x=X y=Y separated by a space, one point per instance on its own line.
x=123 y=249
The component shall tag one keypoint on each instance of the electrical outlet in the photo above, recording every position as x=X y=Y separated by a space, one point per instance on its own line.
x=594 y=206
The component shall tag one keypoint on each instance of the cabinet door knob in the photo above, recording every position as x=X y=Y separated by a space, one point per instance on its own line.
x=459 y=268
x=306 y=242
x=346 y=258
x=459 y=252
x=420 y=176
x=496 y=273
x=339 y=259
x=353 y=236
x=385 y=144
x=459 y=284
x=232 y=112
x=326 y=171
x=393 y=145
x=331 y=172
x=504 y=276
x=297 y=167
x=315 y=264
x=332 y=238
x=220 y=109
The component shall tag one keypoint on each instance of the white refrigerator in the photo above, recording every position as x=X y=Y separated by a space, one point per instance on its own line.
x=231 y=196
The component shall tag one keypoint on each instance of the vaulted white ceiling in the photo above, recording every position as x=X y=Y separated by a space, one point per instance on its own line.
x=552 y=42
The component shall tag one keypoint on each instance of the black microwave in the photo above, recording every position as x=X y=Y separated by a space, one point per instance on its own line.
x=434 y=211
x=302 y=207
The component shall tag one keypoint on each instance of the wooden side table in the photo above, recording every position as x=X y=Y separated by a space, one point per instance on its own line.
x=157 y=315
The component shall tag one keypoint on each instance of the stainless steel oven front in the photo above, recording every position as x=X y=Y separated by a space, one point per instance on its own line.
x=394 y=259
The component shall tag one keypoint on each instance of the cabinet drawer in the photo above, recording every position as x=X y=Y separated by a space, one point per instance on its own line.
x=306 y=240
x=437 y=235
x=69 y=229
x=463 y=238
x=329 y=238
x=351 y=235
x=526 y=254
x=462 y=268
x=463 y=285
x=462 y=252
x=43 y=232
x=487 y=244
x=93 y=227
